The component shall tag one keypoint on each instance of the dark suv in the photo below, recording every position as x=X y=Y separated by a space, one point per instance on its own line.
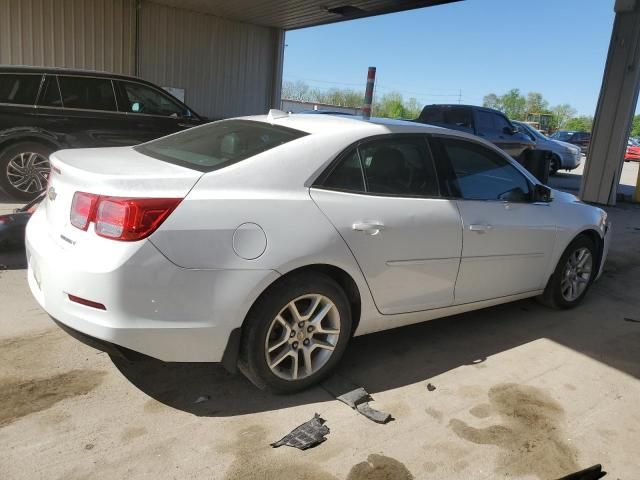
x=487 y=123
x=43 y=110
x=580 y=139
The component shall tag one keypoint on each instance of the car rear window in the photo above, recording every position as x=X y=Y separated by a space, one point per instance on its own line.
x=219 y=144
x=20 y=89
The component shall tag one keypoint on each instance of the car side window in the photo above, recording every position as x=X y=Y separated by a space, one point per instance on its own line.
x=479 y=173
x=143 y=99
x=87 y=93
x=50 y=93
x=347 y=175
x=485 y=122
x=19 y=89
x=399 y=166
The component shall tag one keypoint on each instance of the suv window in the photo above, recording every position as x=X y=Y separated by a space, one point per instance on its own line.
x=50 y=93
x=88 y=93
x=143 y=99
x=395 y=166
x=219 y=144
x=460 y=118
x=19 y=89
x=479 y=173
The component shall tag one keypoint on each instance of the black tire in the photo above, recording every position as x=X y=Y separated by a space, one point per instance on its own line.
x=253 y=357
x=554 y=165
x=553 y=296
x=31 y=190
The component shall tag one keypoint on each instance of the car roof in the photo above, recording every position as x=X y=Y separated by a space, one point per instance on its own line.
x=316 y=124
x=68 y=71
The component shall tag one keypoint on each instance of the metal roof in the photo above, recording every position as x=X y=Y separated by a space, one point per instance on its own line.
x=292 y=14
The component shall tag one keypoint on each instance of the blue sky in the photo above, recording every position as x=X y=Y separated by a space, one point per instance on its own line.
x=557 y=47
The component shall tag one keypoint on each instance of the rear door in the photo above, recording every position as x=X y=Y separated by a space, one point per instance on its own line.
x=383 y=198
x=91 y=117
x=507 y=239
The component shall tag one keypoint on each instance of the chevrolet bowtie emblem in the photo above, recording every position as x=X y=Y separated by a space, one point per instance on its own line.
x=52 y=194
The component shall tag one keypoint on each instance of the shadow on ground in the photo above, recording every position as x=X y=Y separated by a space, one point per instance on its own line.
x=407 y=355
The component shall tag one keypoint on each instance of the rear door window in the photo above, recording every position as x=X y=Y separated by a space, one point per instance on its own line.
x=219 y=144
x=146 y=100
x=19 y=89
x=50 y=93
x=87 y=93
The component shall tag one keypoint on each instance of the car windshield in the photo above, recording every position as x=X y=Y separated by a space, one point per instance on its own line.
x=562 y=136
x=219 y=144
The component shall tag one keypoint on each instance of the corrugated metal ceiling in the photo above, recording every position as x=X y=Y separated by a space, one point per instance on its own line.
x=292 y=14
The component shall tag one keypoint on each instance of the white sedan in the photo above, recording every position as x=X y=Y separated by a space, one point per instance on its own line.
x=266 y=242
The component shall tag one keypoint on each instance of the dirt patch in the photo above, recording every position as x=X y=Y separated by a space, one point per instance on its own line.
x=481 y=411
x=379 y=467
x=254 y=458
x=530 y=433
x=21 y=398
x=132 y=433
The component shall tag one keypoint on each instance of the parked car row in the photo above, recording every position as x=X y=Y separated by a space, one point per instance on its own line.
x=43 y=110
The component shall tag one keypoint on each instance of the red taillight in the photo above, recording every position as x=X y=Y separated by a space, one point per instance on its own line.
x=82 y=209
x=125 y=219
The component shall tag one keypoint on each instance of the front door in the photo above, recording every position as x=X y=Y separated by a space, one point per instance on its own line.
x=383 y=198
x=507 y=239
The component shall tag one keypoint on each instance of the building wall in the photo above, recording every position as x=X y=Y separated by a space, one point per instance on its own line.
x=227 y=68
x=87 y=34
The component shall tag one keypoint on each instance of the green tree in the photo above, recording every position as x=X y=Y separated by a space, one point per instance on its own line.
x=492 y=101
x=513 y=104
x=583 y=123
x=561 y=115
x=536 y=103
x=635 y=126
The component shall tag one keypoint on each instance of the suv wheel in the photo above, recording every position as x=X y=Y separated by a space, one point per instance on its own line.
x=296 y=333
x=24 y=169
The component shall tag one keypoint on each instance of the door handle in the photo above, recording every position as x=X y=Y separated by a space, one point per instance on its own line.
x=370 y=228
x=480 y=228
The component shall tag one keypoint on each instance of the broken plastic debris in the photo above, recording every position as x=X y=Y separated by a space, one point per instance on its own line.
x=431 y=387
x=591 y=473
x=356 y=397
x=307 y=435
x=202 y=399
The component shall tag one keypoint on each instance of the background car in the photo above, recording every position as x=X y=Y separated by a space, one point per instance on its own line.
x=581 y=139
x=632 y=154
x=487 y=123
x=43 y=110
x=266 y=242
x=565 y=156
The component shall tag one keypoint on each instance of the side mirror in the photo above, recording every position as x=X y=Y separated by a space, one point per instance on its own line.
x=542 y=193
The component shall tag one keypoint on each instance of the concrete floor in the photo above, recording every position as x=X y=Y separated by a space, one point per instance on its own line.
x=521 y=392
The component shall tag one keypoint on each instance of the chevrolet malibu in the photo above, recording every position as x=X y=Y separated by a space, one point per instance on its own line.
x=267 y=242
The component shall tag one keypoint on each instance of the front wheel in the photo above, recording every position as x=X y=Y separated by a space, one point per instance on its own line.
x=24 y=169
x=296 y=333
x=573 y=275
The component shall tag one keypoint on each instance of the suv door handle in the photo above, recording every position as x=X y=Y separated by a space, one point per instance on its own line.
x=480 y=228
x=370 y=228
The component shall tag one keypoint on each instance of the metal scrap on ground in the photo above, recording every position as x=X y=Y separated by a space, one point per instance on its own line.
x=356 y=397
x=307 y=435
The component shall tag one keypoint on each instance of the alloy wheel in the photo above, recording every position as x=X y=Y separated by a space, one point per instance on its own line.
x=28 y=172
x=576 y=274
x=302 y=337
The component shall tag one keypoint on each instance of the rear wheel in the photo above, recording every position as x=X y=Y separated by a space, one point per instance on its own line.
x=24 y=169
x=573 y=275
x=296 y=333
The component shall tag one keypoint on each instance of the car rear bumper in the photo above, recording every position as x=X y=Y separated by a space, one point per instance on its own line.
x=151 y=305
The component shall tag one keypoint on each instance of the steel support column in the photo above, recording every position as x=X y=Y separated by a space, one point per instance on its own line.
x=616 y=105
